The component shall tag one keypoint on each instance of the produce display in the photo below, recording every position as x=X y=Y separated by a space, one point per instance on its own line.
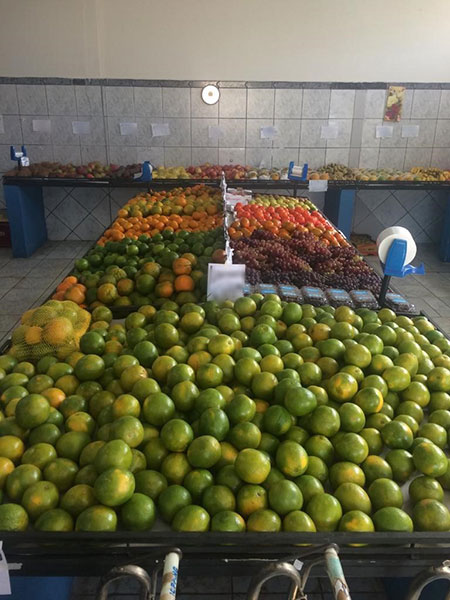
x=286 y=240
x=158 y=248
x=256 y=415
x=332 y=171
x=93 y=170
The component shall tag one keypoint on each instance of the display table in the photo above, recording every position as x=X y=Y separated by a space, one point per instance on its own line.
x=26 y=215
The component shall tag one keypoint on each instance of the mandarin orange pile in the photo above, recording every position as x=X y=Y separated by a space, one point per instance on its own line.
x=198 y=208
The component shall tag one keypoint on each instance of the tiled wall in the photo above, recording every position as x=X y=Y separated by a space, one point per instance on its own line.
x=296 y=110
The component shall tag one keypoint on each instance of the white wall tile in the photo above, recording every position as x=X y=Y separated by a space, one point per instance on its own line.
x=8 y=99
x=310 y=133
x=123 y=155
x=200 y=108
x=344 y=134
x=232 y=156
x=417 y=157
x=396 y=141
x=315 y=157
x=368 y=137
x=174 y=157
x=89 y=100
x=425 y=104
x=233 y=133
x=32 y=100
x=444 y=105
x=12 y=130
x=440 y=158
x=425 y=139
x=67 y=154
x=154 y=155
x=288 y=103
x=176 y=102
x=390 y=211
x=370 y=226
x=200 y=133
x=62 y=132
x=281 y=157
x=233 y=103
x=368 y=158
x=61 y=100
x=391 y=158
x=337 y=155
x=148 y=101
x=341 y=104
x=442 y=137
x=115 y=138
x=93 y=154
x=259 y=157
x=33 y=137
x=288 y=133
x=316 y=103
x=201 y=156
x=253 y=139
x=260 y=103
x=119 y=101
x=375 y=104
x=180 y=133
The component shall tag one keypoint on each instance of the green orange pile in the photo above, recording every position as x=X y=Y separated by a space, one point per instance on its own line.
x=256 y=415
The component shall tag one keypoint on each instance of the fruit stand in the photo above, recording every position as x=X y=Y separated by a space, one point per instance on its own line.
x=24 y=198
x=172 y=361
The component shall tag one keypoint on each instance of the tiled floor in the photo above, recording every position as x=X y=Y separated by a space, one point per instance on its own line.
x=27 y=282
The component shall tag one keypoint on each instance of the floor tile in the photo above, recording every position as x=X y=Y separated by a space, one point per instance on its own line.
x=19 y=267
x=7 y=283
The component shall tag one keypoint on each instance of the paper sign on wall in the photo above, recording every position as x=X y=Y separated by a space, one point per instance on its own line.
x=410 y=131
x=318 y=185
x=81 y=127
x=160 y=129
x=41 y=125
x=384 y=131
x=128 y=128
x=329 y=132
x=2 y=125
x=268 y=133
x=214 y=132
x=225 y=282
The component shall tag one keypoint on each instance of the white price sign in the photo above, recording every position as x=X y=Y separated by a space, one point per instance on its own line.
x=318 y=185
x=225 y=282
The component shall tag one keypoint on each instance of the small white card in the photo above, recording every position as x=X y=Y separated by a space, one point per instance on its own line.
x=410 y=131
x=2 y=125
x=42 y=125
x=268 y=133
x=160 y=129
x=329 y=132
x=128 y=128
x=81 y=127
x=214 y=132
x=318 y=185
x=384 y=131
x=5 y=583
x=225 y=282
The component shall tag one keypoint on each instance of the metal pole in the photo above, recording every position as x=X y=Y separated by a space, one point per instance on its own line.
x=384 y=288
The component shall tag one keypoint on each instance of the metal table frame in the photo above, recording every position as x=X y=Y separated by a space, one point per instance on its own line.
x=26 y=214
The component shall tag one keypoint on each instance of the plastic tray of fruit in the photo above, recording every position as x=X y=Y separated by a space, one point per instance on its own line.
x=220 y=420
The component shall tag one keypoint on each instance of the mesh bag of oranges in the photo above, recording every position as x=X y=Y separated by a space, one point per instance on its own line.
x=53 y=328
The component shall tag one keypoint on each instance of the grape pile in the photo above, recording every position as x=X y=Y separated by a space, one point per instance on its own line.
x=303 y=260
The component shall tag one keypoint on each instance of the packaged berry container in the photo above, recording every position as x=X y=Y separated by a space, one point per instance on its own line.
x=313 y=295
x=247 y=289
x=338 y=297
x=364 y=299
x=266 y=288
x=290 y=293
x=399 y=304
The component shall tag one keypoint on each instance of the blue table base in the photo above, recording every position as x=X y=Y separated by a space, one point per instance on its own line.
x=338 y=208
x=26 y=218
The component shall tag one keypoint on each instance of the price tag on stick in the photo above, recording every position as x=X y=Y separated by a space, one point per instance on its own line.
x=5 y=583
x=225 y=282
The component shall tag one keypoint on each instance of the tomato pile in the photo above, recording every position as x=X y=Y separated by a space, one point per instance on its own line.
x=256 y=415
